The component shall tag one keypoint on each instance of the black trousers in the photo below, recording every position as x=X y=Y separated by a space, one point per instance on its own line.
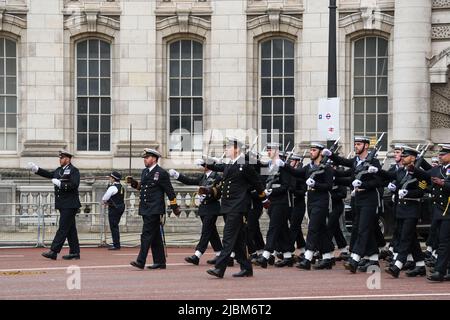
x=67 y=230
x=355 y=225
x=365 y=243
x=318 y=237
x=443 y=251
x=395 y=241
x=333 y=226
x=114 y=215
x=278 y=234
x=408 y=241
x=234 y=236
x=151 y=238
x=209 y=234
x=379 y=237
x=255 y=240
x=295 y=220
x=433 y=236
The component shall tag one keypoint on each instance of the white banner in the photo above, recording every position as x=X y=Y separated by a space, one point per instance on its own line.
x=328 y=119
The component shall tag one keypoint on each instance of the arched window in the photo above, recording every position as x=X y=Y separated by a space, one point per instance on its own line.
x=186 y=95
x=370 y=87
x=8 y=95
x=277 y=91
x=93 y=67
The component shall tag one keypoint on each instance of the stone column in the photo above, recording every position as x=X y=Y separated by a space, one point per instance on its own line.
x=411 y=86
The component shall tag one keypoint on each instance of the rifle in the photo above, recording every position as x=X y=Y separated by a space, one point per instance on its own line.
x=333 y=149
x=370 y=157
x=324 y=162
x=421 y=156
x=303 y=157
x=206 y=156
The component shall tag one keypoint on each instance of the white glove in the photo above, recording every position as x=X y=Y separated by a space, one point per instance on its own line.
x=392 y=187
x=372 y=169
x=174 y=174
x=202 y=197
x=310 y=182
x=393 y=198
x=353 y=193
x=33 y=167
x=402 y=193
x=357 y=183
x=268 y=192
x=279 y=163
x=326 y=152
x=56 y=182
x=199 y=162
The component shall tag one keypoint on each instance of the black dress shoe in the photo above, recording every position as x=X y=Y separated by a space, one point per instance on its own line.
x=324 y=264
x=50 y=255
x=363 y=262
x=157 y=266
x=262 y=262
x=436 y=277
x=384 y=254
x=243 y=273
x=114 y=248
x=230 y=262
x=72 y=256
x=417 y=271
x=137 y=265
x=409 y=265
x=280 y=256
x=447 y=276
x=271 y=260
x=427 y=254
x=351 y=265
x=430 y=262
x=367 y=265
x=192 y=259
x=393 y=271
x=216 y=272
x=343 y=256
x=212 y=261
x=305 y=264
x=287 y=262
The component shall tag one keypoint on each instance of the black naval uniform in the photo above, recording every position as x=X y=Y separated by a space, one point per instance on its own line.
x=67 y=201
x=298 y=190
x=153 y=185
x=396 y=234
x=366 y=202
x=116 y=207
x=208 y=211
x=238 y=179
x=338 y=194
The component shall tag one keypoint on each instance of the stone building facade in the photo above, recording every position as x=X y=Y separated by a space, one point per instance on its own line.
x=76 y=73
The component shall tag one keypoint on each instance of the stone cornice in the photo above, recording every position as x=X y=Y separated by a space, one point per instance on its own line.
x=12 y=23
x=261 y=7
x=107 y=8
x=438 y=65
x=440 y=32
x=355 y=6
x=168 y=8
x=123 y=148
x=42 y=148
x=91 y=22
x=277 y=23
x=366 y=20
x=183 y=23
x=441 y=4
x=18 y=7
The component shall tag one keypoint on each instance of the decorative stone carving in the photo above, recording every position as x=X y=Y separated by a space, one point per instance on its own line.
x=441 y=4
x=288 y=24
x=368 y=17
x=440 y=106
x=439 y=67
x=12 y=23
x=273 y=11
x=439 y=32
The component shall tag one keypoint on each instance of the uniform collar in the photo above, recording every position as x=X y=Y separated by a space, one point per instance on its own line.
x=207 y=174
x=152 y=167
x=238 y=157
x=65 y=167
x=446 y=166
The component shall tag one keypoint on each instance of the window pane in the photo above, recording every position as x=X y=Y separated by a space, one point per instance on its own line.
x=185 y=87
x=105 y=51
x=82 y=142
x=277 y=68
x=278 y=106
x=266 y=123
x=371 y=105
x=288 y=49
x=2 y=106
x=82 y=50
x=382 y=47
x=197 y=106
x=174 y=123
x=10 y=48
x=359 y=67
x=11 y=67
x=93 y=142
x=359 y=105
x=371 y=45
x=93 y=105
x=105 y=68
x=93 y=86
x=106 y=105
x=105 y=142
x=11 y=85
x=175 y=50
x=265 y=49
x=105 y=124
x=93 y=123
x=93 y=68
x=288 y=86
x=81 y=68
x=2 y=85
x=174 y=89
x=11 y=121
x=174 y=106
x=93 y=49
x=277 y=87
x=198 y=69
x=11 y=141
x=277 y=48
x=174 y=68
x=2 y=67
x=382 y=123
x=278 y=123
x=382 y=67
x=382 y=105
x=382 y=85
x=11 y=105
x=197 y=87
x=371 y=65
x=265 y=87
x=82 y=105
x=2 y=48
x=289 y=125
x=186 y=123
x=358 y=123
x=289 y=107
x=186 y=106
x=359 y=86
x=186 y=68
x=82 y=123
x=266 y=106
x=371 y=123
x=359 y=48
x=370 y=86
x=288 y=68
x=265 y=68
x=105 y=87
x=197 y=49
x=185 y=49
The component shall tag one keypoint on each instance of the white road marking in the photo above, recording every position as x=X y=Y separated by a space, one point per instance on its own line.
x=12 y=256
x=170 y=254
x=362 y=296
